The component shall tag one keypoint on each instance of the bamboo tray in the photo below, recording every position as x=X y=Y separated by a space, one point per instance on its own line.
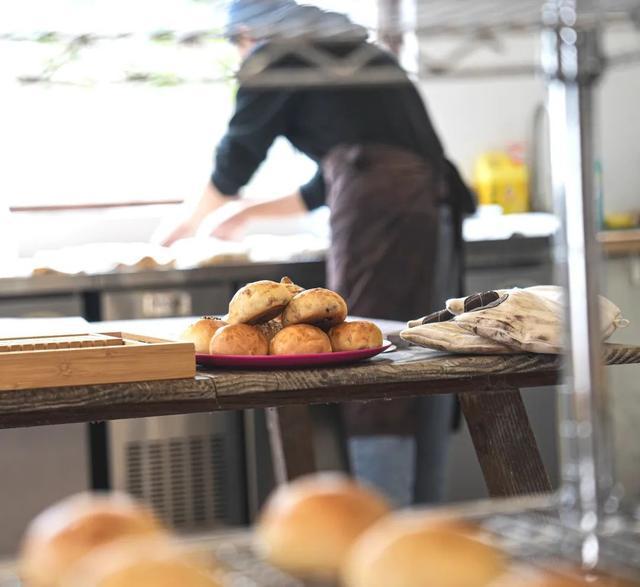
x=89 y=359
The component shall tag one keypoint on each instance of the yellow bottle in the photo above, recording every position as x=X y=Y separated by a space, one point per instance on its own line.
x=503 y=179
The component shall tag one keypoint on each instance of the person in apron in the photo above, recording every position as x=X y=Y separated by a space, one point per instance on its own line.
x=395 y=203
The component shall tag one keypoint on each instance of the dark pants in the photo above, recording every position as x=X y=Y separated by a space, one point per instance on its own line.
x=386 y=259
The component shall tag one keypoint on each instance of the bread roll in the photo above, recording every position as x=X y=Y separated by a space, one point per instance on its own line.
x=64 y=533
x=416 y=550
x=293 y=288
x=300 y=339
x=258 y=302
x=353 y=336
x=201 y=332
x=271 y=328
x=307 y=526
x=320 y=307
x=238 y=339
x=146 y=563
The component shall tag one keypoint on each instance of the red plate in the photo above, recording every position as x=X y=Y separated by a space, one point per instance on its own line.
x=289 y=361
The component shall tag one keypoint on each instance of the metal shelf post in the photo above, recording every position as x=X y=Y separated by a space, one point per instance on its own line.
x=573 y=63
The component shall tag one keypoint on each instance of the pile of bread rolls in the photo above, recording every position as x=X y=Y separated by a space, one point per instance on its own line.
x=327 y=528
x=106 y=540
x=271 y=318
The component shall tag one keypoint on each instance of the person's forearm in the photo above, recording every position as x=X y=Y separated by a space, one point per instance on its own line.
x=210 y=200
x=290 y=205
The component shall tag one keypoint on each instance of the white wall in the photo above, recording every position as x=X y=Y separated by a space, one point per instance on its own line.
x=473 y=116
x=158 y=143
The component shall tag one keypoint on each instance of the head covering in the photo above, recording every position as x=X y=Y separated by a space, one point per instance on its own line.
x=286 y=19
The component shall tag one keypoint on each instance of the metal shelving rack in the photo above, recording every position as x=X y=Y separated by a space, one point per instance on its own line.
x=587 y=516
x=587 y=513
x=587 y=519
x=467 y=25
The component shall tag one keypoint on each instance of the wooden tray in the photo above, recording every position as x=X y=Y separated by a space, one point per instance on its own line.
x=89 y=359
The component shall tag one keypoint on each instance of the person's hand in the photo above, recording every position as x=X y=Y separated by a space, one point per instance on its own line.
x=172 y=230
x=228 y=222
x=184 y=222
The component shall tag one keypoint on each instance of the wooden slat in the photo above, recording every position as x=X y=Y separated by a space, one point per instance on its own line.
x=291 y=438
x=395 y=369
x=620 y=242
x=402 y=374
x=345 y=392
x=38 y=407
x=443 y=374
x=505 y=444
x=115 y=401
x=58 y=342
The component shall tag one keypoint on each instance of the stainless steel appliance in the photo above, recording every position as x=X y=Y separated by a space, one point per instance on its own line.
x=52 y=306
x=160 y=302
x=189 y=469
x=38 y=465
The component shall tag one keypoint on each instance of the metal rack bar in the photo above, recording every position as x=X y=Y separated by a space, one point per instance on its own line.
x=573 y=64
x=472 y=24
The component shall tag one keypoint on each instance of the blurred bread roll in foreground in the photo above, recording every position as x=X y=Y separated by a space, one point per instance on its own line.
x=306 y=527
x=141 y=563
x=64 y=533
x=259 y=302
x=239 y=339
x=300 y=339
x=357 y=335
x=320 y=307
x=419 y=550
x=201 y=332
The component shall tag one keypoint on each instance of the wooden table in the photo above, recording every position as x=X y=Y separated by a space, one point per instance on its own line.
x=487 y=387
x=620 y=242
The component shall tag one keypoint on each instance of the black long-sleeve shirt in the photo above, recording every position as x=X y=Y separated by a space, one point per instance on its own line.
x=317 y=119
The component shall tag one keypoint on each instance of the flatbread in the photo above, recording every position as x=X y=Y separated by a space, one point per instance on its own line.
x=610 y=315
x=524 y=321
x=451 y=337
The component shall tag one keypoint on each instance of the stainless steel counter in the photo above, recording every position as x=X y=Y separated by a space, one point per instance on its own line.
x=61 y=283
x=515 y=252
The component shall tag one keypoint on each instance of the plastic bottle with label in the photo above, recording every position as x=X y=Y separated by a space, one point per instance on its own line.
x=502 y=178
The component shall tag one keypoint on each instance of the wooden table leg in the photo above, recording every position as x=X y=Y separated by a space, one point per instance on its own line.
x=291 y=438
x=505 y=444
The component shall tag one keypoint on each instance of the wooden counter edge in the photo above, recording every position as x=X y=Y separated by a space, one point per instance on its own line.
x=616 y=243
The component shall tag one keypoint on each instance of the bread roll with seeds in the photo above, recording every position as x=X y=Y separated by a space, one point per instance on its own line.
x=318 y=306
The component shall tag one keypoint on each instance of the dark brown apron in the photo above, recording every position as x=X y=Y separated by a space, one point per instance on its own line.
x=384 y=204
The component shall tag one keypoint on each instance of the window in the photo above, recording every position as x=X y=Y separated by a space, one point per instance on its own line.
x=111 y=101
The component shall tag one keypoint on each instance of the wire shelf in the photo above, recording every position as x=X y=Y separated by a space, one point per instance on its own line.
x=532 y=538
x=462 y=17
x=529 y=530
x=469 y=27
